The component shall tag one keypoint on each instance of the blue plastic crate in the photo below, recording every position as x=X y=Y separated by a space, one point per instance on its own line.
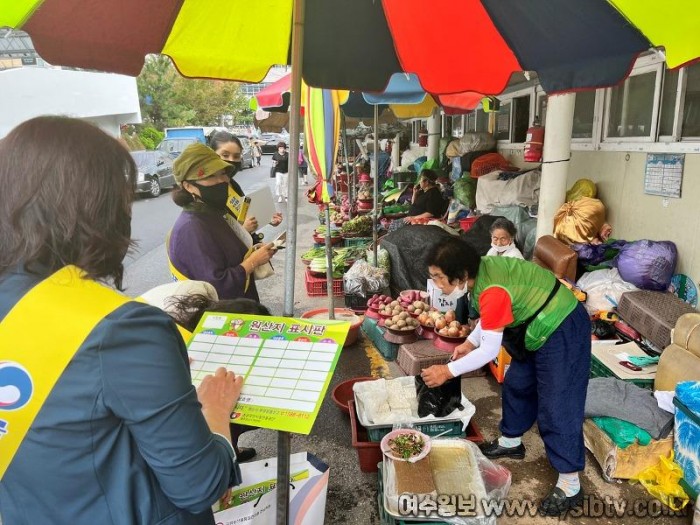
x=357 y=241
x=375 y=333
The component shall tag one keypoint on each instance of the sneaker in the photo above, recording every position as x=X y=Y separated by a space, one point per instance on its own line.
x=557 y=502
x=279 y=199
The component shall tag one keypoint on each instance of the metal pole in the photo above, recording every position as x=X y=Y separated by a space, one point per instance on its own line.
x=284 y=438
x=293 y=181
x=375 y=211
x=347 y=163
x=329 y=263
x=283 y=468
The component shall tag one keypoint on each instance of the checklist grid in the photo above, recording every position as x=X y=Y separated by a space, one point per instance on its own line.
x=278 y=374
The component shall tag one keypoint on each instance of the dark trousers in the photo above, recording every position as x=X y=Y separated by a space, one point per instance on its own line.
x=549 y=387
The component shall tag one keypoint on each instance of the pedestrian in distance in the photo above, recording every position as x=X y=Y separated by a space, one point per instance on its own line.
x=257 y=153
x=303 y=165
x=280 y=167
x=103 y=420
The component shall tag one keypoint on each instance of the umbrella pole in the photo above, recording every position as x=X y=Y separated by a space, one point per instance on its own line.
x=375 y=211
x=329 y=264
x=347 y=163
x=284 y=438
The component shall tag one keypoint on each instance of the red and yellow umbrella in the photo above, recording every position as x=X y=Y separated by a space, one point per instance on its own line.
x=453 y=46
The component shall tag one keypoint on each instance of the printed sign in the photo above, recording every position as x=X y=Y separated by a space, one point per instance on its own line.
x=287 y=364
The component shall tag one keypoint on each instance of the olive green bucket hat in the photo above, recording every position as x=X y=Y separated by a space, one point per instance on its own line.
x=197 y=162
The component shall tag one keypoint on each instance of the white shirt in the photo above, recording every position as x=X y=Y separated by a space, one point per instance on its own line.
x=511 y=251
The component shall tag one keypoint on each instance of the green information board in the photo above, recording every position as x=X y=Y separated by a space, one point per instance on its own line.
x=287 y=364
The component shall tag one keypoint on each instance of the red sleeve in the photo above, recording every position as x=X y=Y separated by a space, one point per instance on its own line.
x=495 y=308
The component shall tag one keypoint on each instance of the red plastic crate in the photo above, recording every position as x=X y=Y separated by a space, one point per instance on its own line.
x=318 y=286
x=369 y=453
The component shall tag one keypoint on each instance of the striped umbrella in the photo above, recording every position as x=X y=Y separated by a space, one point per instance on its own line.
x=322 y=131
x=452 y=46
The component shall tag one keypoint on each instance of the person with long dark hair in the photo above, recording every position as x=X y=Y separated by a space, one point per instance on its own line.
x=230 y=149
x=105 y=425
x=547 y=332
x=280 y=165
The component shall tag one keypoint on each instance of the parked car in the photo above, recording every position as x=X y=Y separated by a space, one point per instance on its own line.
x=270 y=145
x=155 y=172
x=247 y=155
x=173 y=147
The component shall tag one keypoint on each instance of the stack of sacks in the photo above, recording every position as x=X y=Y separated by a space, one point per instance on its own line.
x=680 y=361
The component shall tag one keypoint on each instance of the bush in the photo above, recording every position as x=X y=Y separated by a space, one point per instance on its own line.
x=150 y=137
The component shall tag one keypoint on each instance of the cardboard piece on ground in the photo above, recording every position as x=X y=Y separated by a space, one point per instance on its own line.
x=262 y=206
x=623 y=463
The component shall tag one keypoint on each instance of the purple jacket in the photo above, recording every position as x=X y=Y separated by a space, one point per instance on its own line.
x=204 y=248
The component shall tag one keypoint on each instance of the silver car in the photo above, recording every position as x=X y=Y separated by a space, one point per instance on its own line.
x=155 y=172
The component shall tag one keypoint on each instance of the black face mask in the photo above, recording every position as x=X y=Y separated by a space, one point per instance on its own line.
x=215 y=196
x=236 y=166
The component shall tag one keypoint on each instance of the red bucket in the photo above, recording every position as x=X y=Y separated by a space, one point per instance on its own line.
x=466 y=224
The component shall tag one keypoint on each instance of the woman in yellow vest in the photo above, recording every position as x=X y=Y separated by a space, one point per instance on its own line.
x=99 y=421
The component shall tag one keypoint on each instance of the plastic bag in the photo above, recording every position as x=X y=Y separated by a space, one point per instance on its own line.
x=485 y=481
x=582 y=188
x=363 y=279
x=439 y=401
x=579 y=221
x=623 y=433
x=649 y=265
x=465 y=191
x=603 y=288
x=383 y=260
x=662 y=482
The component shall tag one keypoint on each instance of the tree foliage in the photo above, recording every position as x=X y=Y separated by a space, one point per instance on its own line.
x=169 y=100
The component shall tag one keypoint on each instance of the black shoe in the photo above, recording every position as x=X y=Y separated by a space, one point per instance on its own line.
x=557 y=502
x=491 y=449
x=245 y=454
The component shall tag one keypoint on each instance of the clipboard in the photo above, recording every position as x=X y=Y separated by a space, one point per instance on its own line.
x=261 y=206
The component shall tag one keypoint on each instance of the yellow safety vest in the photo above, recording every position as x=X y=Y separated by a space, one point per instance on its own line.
x=34 y=357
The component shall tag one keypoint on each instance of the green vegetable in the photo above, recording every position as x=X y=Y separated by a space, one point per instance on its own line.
x=361 y=225
x=406 y=445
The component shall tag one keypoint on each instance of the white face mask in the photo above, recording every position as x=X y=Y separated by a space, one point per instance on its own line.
x=502 y=249
x=457 y=293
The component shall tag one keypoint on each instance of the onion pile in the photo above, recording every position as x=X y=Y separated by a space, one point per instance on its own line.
x=448 y=326
x=401 y=321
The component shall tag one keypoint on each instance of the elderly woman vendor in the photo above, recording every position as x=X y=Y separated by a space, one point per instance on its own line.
x=548 y=377
x=427 y=200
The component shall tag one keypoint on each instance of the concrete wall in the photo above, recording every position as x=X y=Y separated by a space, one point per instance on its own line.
x=634 y=215
x=105 y=99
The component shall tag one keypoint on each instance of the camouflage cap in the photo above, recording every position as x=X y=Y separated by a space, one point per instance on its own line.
x=197 y=162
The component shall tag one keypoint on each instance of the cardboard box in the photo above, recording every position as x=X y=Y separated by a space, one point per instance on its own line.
x=623 y=463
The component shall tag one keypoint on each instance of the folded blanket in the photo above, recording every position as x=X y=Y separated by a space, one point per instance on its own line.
x=612 y=397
